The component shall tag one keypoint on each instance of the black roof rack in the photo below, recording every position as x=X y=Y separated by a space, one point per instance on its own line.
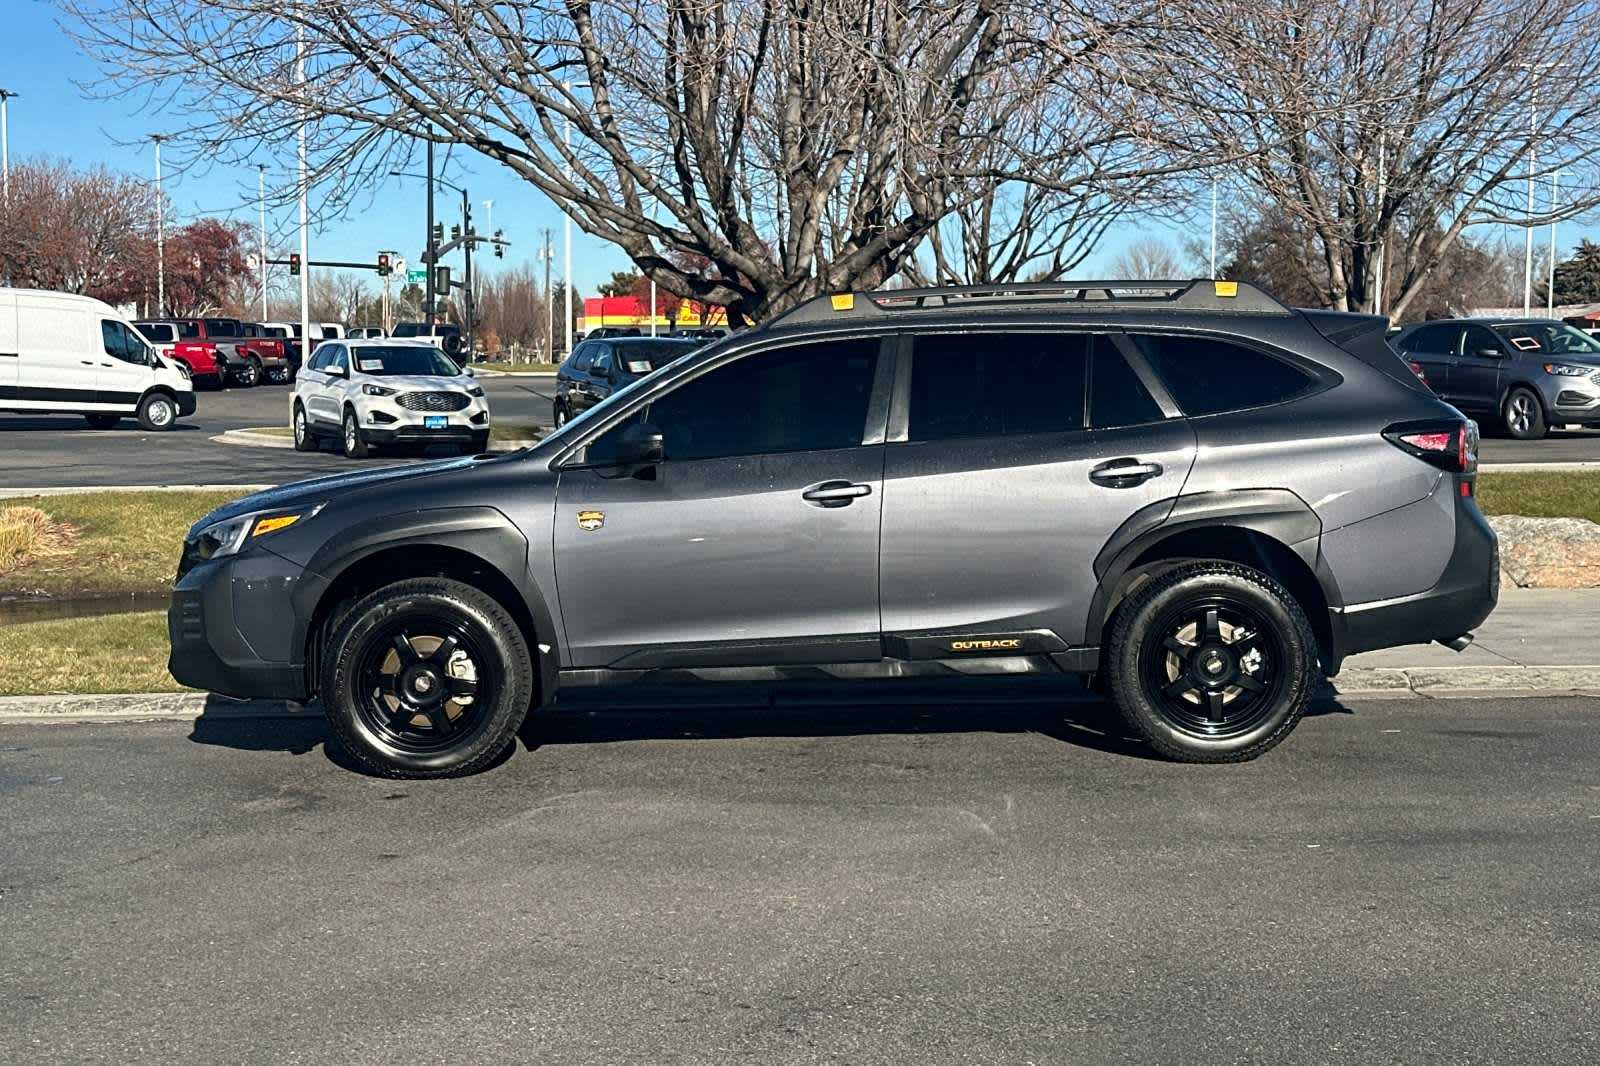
x=1192 y=295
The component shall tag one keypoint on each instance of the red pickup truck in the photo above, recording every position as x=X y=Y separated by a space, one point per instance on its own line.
x=199 y=359
x=239 y=357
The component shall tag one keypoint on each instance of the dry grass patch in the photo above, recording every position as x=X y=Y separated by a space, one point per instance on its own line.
x=28 y=533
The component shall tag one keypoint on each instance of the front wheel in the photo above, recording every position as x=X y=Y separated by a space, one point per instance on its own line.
x=157 y=412
x=561 y=415
x=1523 y=414
x=1211 y=662
x=426 y=678
x=355 y=442
x=303 y=440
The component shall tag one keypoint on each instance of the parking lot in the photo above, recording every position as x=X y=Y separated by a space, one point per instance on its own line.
x=64 y=451
x=885 y=882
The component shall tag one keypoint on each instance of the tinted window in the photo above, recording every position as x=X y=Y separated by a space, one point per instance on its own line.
x=222 y=327
x=1478 y=338
x=382 y=360
x=189 y=330
x=1434 y=340
x=997 y=384
x=583 y=355
x=156 y=332
x=123 y=343
x=1206 y=376
x=1549 y=338
x=409 y=329
x=805 y=398
x=1117 y=396
x=604 y=366
x=646 y=356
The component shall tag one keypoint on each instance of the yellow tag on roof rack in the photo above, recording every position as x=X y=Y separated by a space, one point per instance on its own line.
x=1227 y=288
x=844 y=301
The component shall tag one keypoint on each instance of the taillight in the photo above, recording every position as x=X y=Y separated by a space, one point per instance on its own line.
x=1416 y=368
x=1448 y=445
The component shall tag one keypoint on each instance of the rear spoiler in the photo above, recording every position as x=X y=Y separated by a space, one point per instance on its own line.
x=1367 y=338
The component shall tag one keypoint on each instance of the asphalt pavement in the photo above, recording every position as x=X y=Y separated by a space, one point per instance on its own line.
x=869 y=882
x=39 y=451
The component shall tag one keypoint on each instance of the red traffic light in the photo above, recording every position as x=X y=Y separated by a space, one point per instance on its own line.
x=294 y=262
x=383 y=264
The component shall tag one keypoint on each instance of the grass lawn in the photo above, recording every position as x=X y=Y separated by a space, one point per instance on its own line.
x=100 y=543
x=75 y=656
x=517 y=368
x=1541 y=493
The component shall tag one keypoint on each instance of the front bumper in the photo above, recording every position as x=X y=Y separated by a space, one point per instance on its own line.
x=234 y=629
x=186 y=403
x=384 y=421
x=1459 y=601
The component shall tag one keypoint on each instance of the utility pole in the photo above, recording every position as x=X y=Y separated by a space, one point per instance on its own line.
x=466 y=287
x=161 y=237
x=427 y=303
x=261 y=208
x=305 y=213
x=5 y=144
x=566 y=222
x=1550 y=283
x=1527 y=266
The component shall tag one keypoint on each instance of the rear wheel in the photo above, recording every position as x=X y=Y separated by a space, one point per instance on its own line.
x=303 y=440
x=1523 y=414
x=561 y=415
x=355 y=442
x=103 y=421
x=1211 y=662
x=157 y=411
x=250 y=373
x=278 y=375
x=426 y=678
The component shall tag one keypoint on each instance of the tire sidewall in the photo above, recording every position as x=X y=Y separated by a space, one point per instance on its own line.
x=1135 y=626
x=302 y=431
x=148 y=408
x=350 y=436
x=498 y=634
x=1537 y=428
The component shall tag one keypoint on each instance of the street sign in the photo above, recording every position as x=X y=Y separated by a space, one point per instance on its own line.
x=417 y=277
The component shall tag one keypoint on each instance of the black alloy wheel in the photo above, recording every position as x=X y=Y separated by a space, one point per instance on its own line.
x=418 y=682
x=1211 y=661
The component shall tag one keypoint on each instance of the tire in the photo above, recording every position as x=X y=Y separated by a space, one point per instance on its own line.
x=1523 y=414
x=1176 y=671
x=478 y=445
x=250 y=373
x=103 y=421
x=355 y=443
x=278 y=375
x=388 y=655
x=304 y=439
x=157 y=412
x=560 y=415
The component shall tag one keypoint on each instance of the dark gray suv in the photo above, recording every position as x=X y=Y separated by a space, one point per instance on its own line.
x=1199 y=498
x=1525 y=374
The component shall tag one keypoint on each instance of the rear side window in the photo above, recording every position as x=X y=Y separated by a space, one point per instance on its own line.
x=1434 y=340
x=584 y=356
x=156 y=332
x=1207 y=376
x=222 y=327
x=997 y=384
x=189 y=330
x=1116 y=395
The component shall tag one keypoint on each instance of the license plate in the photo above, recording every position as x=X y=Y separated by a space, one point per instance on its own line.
x=434 y=421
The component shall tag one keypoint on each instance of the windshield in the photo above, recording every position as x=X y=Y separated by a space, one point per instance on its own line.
x=605 y=404
x=391 y=361
x=1548 y=338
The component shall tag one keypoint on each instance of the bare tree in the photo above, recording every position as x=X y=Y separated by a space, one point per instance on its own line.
x=794 y=146
x=1384 y=129
x=1149 y=259
x=89 y=231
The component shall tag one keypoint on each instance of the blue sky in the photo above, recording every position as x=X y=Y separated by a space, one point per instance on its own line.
x=55 y=117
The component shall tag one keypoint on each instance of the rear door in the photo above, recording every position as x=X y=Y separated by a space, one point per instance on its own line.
x=1433 y=347
x=1475 y=375
x=755 y=541
x=1012 y=457
x=56 y=366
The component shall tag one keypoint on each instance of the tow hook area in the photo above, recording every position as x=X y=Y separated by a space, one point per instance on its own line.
x=1457 y=643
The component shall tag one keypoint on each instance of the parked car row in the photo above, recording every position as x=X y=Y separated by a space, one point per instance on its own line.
x=1524 y=375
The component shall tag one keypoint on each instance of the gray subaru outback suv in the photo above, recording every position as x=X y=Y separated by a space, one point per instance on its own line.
x=1187 y=492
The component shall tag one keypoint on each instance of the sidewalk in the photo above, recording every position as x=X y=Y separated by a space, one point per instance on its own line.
x=1538 y=642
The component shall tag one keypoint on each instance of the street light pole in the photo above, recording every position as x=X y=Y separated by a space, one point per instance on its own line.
x=161 y=236
x=566 y=216
x=261 y=209
x=305 y=212
x=1213 y=228
x=1527 y=266
x=1550 y=283
x=466 y=286
x=5 y=144
x=427 y=304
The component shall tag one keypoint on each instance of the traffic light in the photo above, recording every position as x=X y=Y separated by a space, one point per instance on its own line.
x=499 y=248
x=441 y=280
x=438 y=233
x=455 y=233
x=383 y=264
x=294 y=262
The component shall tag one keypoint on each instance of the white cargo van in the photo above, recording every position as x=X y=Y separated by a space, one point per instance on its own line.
x=67 y=354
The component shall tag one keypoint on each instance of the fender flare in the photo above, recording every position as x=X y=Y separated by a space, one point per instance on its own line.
x=1276 y=514
x=484 y=533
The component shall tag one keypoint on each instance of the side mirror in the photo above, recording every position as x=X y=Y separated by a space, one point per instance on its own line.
x=467 y=370
x=337 y=372
x=641 y=444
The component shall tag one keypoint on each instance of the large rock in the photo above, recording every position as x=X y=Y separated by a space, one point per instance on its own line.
x=1548 y=553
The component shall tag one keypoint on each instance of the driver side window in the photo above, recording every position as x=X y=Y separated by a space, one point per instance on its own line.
x=122 y=343
x=604 y=364
x=1475 y=339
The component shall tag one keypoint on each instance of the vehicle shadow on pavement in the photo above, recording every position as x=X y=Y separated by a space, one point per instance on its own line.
x=1061 y=712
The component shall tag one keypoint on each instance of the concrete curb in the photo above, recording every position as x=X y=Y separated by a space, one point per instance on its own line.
x=1447 y=682
x=250 y=438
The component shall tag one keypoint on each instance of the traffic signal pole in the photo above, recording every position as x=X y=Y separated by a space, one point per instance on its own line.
x=466 y=292
x=431 y=257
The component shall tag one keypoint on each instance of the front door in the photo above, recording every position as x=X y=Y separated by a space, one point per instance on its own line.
x=1475 y=374
x=323 y=385
x=755 y=540
x=125 y=371
x=1019 y=455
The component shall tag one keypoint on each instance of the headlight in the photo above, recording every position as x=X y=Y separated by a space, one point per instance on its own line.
x=227 y=536
x=476 y=390
x=1562 y=370
x=378 y=390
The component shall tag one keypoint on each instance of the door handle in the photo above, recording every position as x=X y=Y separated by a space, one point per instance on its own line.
x=87 y=362
x=835 y=493
x=1124 y=473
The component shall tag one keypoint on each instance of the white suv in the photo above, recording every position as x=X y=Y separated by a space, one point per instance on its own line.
x=372 y=392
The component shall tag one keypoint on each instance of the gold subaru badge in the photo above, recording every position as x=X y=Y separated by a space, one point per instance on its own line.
x=589 y=521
